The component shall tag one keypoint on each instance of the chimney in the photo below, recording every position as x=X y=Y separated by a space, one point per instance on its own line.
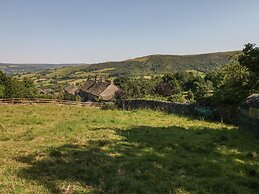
x=112 y=82
x=95 y=78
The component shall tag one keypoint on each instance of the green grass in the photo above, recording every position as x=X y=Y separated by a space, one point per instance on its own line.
x=63 y=149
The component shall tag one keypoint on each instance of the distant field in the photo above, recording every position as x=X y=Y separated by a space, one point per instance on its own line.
x=147 y=66
x=72 y=149
x=26 y=68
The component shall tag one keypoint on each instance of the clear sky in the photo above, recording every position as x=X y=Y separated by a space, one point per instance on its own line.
x=72 y=31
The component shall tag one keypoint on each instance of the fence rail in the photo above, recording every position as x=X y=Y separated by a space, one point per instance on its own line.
x=44 y=101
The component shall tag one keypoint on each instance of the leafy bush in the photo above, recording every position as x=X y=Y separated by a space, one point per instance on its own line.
x=177 y=98
x=233 y=86
x=14 y=88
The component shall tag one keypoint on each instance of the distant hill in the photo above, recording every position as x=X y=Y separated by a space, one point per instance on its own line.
x=13 y=68
x=153 y=64
x=147 y=65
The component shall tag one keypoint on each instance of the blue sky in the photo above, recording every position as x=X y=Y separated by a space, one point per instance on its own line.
x=88 y=31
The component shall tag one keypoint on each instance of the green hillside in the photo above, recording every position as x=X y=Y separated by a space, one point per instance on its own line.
x=141 y=66
x=12 y=68
x=148 y=65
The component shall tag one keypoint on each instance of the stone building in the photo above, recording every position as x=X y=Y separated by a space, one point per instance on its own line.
x=71 y=89
x=70 y=92
x=249 y=115
x=93 y=90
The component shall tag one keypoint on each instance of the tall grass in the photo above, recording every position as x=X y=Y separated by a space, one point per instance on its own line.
x=70 y=149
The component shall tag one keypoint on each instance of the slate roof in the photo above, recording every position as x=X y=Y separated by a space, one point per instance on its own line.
x=87 y=85
x=71 y=89
x=252 y=101
x=97 y=88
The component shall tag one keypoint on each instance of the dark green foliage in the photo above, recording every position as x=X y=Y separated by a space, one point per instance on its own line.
x=2 y=77
x=136 y=88
x=199 y=87
x=67 y=96
x=213 y=77
x=250 y=59
x=179 y=97
x=147 y=65
x=232 y=87
x=169 y=86
x=120 y=95
x=161 y=64
x=184 y=78
x=13 y=88
x=179 y=87
x=2 y=90
x=2 y=81
x=190 y=96
x=234 y=81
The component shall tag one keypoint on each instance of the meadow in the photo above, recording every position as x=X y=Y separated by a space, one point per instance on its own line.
x=73 y=149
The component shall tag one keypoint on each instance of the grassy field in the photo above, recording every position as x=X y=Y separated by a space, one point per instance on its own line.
x=63 y=149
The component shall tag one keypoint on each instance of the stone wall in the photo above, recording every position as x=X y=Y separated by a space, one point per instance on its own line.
x=170 y=107
x=226 y=114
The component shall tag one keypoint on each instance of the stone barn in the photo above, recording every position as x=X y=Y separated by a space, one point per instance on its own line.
x=249 y=115
x=97 y=89
x=71 y=89
x=70 y=92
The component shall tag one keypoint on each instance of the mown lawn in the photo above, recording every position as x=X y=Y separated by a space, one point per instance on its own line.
x=63 y=149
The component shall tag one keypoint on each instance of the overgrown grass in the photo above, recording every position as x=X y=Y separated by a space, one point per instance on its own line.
x=63 y=149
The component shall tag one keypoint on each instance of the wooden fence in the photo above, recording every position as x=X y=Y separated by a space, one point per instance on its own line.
x=44 y=101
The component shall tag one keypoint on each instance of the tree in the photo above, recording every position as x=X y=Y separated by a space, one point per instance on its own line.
x=2 y=82
x=11 y=87
x=168 y=86
x=183 y=78
x=190 y=96
x=233 y=86
x=250 y=59
x=199 y=87
x=2 y=77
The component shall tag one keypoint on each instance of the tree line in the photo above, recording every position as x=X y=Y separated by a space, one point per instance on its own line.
x=230 y=84
x=11 y=87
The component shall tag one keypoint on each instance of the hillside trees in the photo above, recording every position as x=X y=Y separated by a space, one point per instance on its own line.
x=240 y=77
x=232 y=85
x=250 y=59
x=168 y=86
x=2 y=81
x=136 y=88
x=199 y=86
x=11 y=87
x=179 y=87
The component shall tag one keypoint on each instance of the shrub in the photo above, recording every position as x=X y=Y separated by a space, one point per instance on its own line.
x=177 y=98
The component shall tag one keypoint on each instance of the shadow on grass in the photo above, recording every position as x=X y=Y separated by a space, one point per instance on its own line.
x=151 y=160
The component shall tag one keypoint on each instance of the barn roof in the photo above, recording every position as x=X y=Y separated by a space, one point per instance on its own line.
x=252 y=101
x=98 y=88
x=87 y=85
x=71 y=89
